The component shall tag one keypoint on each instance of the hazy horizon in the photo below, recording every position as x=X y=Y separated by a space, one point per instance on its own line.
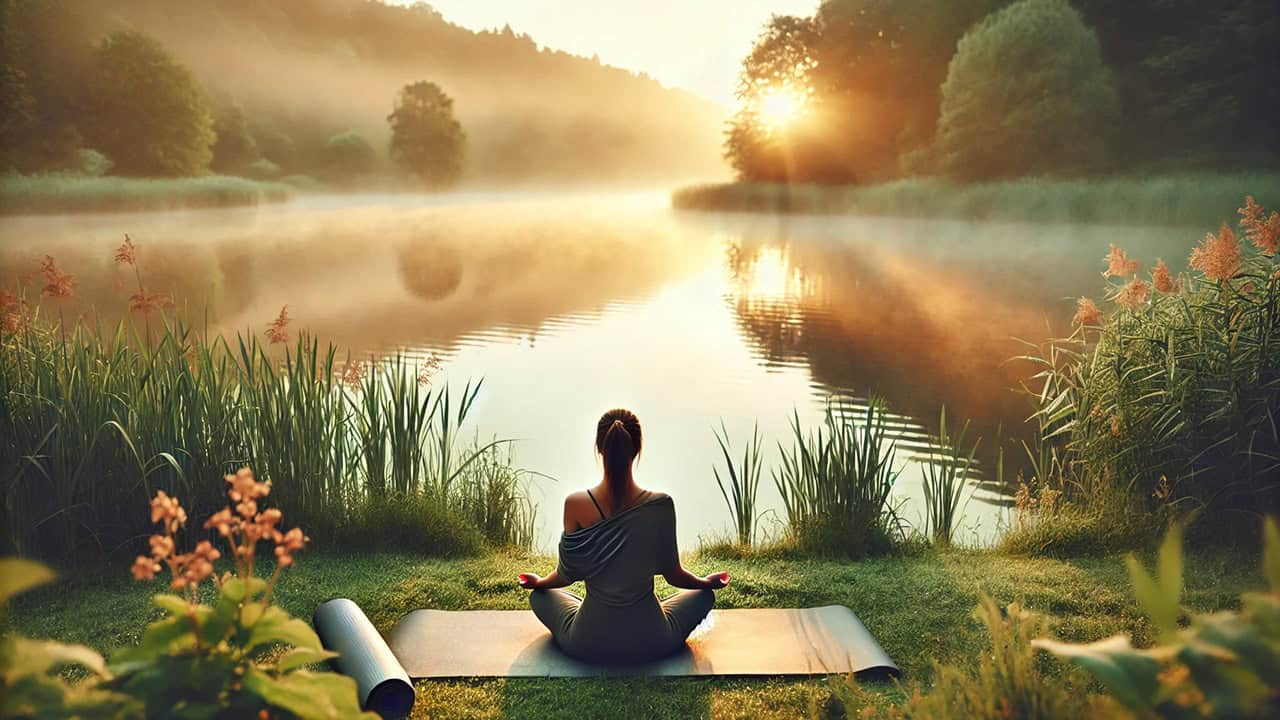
x=626 y=36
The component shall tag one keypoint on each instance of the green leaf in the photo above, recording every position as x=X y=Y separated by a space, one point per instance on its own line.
x=1162 y=609
x=41 y=656
x=172 y=603
x=310 y=696
x=157 y=640
x=276 y=626
x=1169 y=566
x=18 y=576
x=299 y=657
x=1271 y=554
x=1129 y=674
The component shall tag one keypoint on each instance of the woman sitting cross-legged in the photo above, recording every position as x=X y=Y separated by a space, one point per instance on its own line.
x=617 y=536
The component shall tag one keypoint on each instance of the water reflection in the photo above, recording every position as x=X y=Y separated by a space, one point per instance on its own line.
x=570 y=305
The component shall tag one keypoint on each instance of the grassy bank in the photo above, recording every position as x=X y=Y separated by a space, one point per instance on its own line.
x=1161 y=200
x=53 y=194
x=917 y=607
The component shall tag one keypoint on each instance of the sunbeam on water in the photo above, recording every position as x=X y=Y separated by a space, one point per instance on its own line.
x=570 y=305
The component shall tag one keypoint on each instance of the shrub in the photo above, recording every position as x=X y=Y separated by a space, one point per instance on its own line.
x=347 y=157
x=1224 y=664
x=1026 y=94
x=1173 y=396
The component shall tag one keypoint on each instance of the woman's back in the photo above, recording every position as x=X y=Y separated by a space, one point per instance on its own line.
x=618 y=556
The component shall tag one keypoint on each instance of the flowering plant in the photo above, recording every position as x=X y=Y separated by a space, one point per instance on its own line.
x=241 y=656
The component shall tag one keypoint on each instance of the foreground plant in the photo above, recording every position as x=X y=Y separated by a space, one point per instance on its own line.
x=240 y=656
x=1224 y=664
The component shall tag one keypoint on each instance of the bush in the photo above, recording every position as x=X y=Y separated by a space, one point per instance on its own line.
x=1174 y=395
x=150 y=115
x=1026 y=94
x=348 y=157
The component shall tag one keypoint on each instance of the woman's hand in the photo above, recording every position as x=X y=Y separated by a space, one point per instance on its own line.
x=717 y=581
x=528 y=581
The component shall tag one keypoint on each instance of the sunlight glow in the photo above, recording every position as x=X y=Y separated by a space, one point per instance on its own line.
x=778 y=107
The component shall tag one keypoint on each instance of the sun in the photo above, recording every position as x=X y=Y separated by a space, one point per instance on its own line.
x=778 y=107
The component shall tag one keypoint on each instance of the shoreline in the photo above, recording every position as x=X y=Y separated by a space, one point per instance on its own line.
x=1163 y=200
x=73 y=195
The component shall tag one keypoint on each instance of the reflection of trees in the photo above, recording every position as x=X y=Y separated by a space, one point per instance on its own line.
x=874 y=323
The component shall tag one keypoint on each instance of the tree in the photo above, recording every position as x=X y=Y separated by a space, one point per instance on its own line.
x=425 y=138
x=151 y=117
x=1026 y=94
x=235 y=149
x=348 y=156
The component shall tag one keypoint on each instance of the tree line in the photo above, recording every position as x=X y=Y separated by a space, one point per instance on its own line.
x=125 y=105
x=986 y=89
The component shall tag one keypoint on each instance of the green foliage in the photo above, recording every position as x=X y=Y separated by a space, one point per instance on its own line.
x=944 y=482
x=92 y=422
x=348 y=157
x=425 y=138
x=56 y=194
x=1225 y=664
x=743 y=483
x=1175 y=393
x=235 y=148
x=150 y=115
x=31 y=684
x=835 y=482
x=1027 y=93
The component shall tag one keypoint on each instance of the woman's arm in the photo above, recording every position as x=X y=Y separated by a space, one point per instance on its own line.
x=685 y=580
x=531 y=581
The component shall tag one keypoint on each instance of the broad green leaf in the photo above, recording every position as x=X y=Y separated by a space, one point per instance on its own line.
x=172 y=603
x=42 y=656
x=1169 y=566
x=299 y=657
x=1162 y=609
x=1129 y=674
x=276 y=626
x=18 y=576
x=298 y=693
x=250 y=614
x=1235 y=634
x=158 y=638
x=1230 y=689
x=1271 y=554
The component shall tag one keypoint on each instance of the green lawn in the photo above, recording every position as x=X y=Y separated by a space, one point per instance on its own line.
x=918 y=607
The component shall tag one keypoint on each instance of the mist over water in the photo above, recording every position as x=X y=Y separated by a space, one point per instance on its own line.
x=568 y=305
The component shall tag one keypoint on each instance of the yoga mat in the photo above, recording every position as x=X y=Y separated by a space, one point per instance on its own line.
x=512 y=643
x=363 y=655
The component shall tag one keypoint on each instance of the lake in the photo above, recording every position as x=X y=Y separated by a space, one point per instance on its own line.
x=568 y=305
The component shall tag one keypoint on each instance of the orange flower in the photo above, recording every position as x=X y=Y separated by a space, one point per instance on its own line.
x=165 y=508
x=1264 y=233
x=145 y=301
x=221 y=521
x=57 y=283
x=1219 y=257
x=1087 y=313
x=1162 y=279
x=1119 y=264
x=127 y=253
x=270 y=517
x=276 y=329
x=353 y=375
x=245 y=487
x=161 y=546
x=1134 y=295
x=144 y=568
x=287 y=544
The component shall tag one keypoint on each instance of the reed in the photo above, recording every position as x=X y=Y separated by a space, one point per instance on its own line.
x=743 y=483
x=944 y=481
x=835 y=481
x=94 y=422
x=52 y=194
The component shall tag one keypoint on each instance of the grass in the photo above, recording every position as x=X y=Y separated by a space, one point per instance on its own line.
x=919 y=608
x=944 y=481
x=93 y=423
x=1175 y=200
x=56 y=194
x=743 y=482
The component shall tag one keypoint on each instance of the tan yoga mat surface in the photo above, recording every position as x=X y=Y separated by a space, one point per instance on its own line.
x=512 y=643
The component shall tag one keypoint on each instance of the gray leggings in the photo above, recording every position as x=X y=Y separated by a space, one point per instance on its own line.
x=644 y=631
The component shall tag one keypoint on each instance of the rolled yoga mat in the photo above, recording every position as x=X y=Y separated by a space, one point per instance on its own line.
x=504 y=643
x=363 y=655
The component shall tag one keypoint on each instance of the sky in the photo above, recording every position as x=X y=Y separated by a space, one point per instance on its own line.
x=697 y=45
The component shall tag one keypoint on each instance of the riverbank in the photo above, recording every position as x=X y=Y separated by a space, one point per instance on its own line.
x=1174 y=200
x=57 y=194
x=918 y=607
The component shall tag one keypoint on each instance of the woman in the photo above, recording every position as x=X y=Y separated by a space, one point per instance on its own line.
x=617 y=536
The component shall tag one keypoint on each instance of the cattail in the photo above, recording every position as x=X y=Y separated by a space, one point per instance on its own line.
x=1119 y=264
x=57 y=283
x=1134 y=295
x=1218 y=257
x=276 y=332
x=1087 y=313
x=1162 y=279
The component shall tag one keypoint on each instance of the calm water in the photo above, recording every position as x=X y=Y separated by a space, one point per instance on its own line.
x=570 y=305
